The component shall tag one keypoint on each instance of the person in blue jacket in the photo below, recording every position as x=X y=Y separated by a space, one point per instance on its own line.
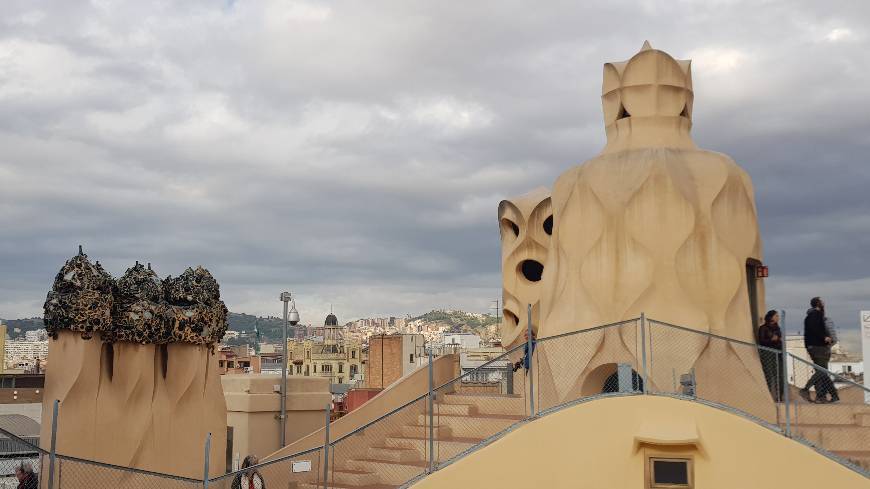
x=526 y=361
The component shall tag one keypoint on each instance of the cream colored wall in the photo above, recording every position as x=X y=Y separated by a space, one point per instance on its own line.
x=135 y=416
x=651 y=225
x=604 y=444
x=399 y=393
x=253 y=407
x=530 y=242
x=303 y=351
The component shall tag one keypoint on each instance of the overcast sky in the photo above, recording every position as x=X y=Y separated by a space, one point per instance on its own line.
x=355 y=152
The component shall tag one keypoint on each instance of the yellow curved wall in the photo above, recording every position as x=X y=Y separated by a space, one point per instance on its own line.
x=523 y=237
x=604 y=444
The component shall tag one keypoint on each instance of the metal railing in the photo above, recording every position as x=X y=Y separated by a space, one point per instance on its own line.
x=633 y=357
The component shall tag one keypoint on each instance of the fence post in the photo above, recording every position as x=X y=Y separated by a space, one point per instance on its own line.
x=53 y=453
x=528 y=360
x=643 y=352
x=207 y=459
x=785 y=390
x=431 y=412
x=326 y=450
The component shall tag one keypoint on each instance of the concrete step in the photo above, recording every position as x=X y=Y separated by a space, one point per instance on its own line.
x=836 y=438
x=422 y=431
x=834 y=414
x=394 y=473
x=490 y=403
x=353 y=477
x=394 y=454
x=445 y=448
x=862 y=458
x=862 y=419
x=308 y=485
x=457 y=409
x=478 y=426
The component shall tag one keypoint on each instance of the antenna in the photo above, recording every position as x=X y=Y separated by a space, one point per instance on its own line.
x=497 y=317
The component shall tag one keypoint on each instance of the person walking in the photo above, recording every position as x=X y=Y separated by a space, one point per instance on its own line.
x=818 y=341
x=250 y=478
x=770 y=339
x=27 y=479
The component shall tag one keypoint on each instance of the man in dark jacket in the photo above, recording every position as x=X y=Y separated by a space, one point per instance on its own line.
x=818 y=342
x=26 y=477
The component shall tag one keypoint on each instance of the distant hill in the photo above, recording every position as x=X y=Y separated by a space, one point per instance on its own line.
x=28 y=324
x=270 y=327
x=458 y=321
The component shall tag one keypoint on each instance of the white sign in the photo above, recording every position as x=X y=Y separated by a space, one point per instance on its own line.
x=301 y=466
x=865 y=342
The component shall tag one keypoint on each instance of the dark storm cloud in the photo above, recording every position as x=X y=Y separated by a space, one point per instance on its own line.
x=355 y=152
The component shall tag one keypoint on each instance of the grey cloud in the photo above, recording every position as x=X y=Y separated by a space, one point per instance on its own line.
x=355 y=152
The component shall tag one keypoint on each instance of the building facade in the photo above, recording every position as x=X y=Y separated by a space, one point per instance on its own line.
x=18 y=350
x=335 y=357
x=238 y=360
x=463 y=341
x=392 y=356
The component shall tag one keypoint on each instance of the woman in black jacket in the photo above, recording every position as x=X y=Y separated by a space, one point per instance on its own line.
x=770 y=341
x=250 y=478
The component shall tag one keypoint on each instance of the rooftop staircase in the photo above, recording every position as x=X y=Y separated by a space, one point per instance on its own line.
x=463 y=421
x=841 y=428
x=399 y=455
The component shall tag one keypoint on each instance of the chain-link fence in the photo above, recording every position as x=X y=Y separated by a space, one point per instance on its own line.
x=633 y=357
x=373 y=453
x=734 y=374
x=463 y=418
x=827 y=410
x=302 y=470
x=74 y=473
x=589 y=363
x=17 y=453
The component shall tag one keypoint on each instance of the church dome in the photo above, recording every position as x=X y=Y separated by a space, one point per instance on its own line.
x=331 y=320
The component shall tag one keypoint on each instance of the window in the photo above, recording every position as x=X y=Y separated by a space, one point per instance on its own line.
x=308 y=354
x=670 y=473
x=299 y=369
x=231 y=364
x=341 y=380
x=315 y=368
x=220 y=364
x=306 y=370
x=411 y=358
x=326 y=367
x=340 y=368
x=353 y=354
